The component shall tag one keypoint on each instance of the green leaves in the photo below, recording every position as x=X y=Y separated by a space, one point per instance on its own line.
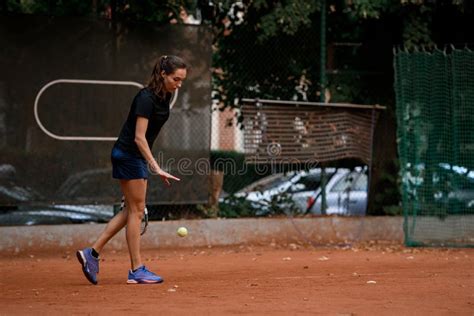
x=416 y=30
x=369 y=9
x=286 y=18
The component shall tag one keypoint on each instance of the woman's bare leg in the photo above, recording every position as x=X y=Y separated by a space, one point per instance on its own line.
x=135 y=194
x=112 y=228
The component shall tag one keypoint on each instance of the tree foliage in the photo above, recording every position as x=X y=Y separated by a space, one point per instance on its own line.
x=274 y=51
x=120 y=10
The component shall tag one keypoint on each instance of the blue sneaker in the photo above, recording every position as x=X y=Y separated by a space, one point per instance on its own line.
x=144 y=276
x=90 y=264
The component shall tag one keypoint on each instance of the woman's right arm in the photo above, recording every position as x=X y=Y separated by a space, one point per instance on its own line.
x=142 y=144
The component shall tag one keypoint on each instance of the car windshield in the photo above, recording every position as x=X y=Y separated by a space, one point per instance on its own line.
x=274 y=183
x=268 y=183
x=309 y=182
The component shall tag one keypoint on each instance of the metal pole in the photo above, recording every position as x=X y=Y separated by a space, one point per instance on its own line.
x=322 y=94
x=322 y=72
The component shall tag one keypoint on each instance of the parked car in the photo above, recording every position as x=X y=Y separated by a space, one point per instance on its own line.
x=346 y=190
x=90 y=185
x=56 y=214
x=21 y=205
x=346 y=194
x=13 y=190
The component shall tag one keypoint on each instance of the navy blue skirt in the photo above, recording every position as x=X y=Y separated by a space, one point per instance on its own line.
x=128 y=166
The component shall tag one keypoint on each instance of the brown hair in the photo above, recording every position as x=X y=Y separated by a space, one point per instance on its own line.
x=168 y=64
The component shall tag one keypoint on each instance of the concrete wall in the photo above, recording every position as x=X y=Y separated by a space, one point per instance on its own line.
x=209 y=232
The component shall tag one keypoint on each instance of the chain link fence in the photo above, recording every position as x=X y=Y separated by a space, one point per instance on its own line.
x=58 y=125
x=247 y=65
x=287 y=68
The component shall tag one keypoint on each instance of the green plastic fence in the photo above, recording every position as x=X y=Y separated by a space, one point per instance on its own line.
x=435 y=115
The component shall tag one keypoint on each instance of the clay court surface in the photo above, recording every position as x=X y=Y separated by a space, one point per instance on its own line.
x=364 y=279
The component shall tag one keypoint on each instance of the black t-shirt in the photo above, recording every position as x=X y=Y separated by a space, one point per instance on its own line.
x=146 y=104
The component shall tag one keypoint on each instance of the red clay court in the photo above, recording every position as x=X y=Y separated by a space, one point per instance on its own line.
x=365 y=279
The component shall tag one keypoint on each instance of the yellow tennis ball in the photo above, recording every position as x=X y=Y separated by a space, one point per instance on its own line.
x=182 y=231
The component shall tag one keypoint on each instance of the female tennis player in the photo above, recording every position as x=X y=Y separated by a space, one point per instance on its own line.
x=131 y=156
